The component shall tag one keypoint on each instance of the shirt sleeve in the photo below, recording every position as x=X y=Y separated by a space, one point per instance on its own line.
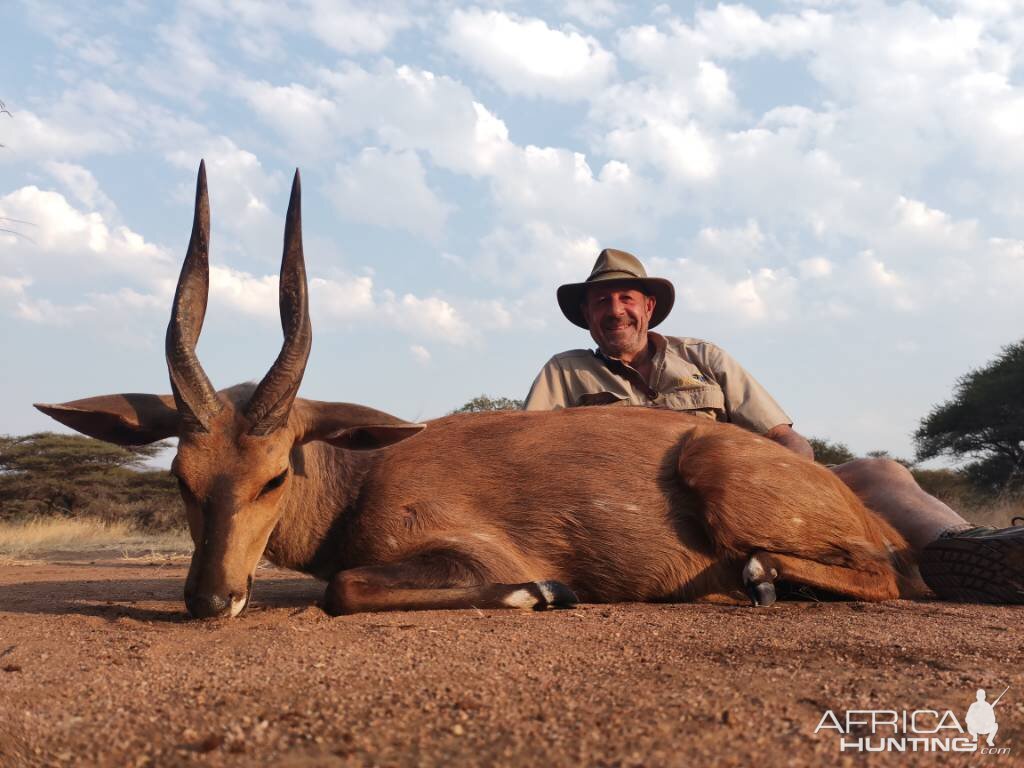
x=548 y=391
x=747 y=402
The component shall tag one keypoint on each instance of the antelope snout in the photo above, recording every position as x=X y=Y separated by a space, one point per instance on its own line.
x=201 y=606
x=206 y=606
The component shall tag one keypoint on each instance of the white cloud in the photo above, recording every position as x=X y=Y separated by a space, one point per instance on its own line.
x=491 y=314
x=735 y=251
x=67 y=242
x=351 y=27
x=815 y=267
x=396 y=107
x=738 y=31
x=404 y=108
x=420 y=354
x=432 y=318
x=764 y=296
x=884 y=282
x=534 y=253
x=592 y=13
x=21 y=304
x=682 y=151
x=83 y=187
x=63 y=269
x=389 y=189
x=26 y=136
x=13 y=287
x=45 y=312
x=558 y=187
x=251 y=294
x=725 y=31
x=930 y=225
x=526 y=56
x=301 y=112
x=343 y=298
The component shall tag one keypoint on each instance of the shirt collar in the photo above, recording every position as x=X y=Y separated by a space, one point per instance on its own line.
x=657 y=339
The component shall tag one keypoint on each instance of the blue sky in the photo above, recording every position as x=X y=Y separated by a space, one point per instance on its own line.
x=833 y=187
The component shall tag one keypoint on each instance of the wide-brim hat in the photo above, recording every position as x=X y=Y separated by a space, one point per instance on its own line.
x=621 y=267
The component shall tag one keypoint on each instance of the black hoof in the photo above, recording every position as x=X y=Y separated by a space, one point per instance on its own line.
x=555 y=595
x=761 y=595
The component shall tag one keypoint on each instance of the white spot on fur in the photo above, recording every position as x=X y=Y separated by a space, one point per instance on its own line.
x=797 y=519
x=632 y=508
x=488 y=537
x=753 y=571
x=521 y=598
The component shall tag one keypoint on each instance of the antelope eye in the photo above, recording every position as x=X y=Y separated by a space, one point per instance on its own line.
x=276 y=482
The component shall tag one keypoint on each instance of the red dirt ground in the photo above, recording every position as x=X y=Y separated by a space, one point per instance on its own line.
x=100 y=666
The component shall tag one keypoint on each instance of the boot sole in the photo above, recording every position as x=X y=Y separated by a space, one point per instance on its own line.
x=988 y=569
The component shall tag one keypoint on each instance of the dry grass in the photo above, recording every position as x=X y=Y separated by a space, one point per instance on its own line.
x=998 y=513
x=40 y=536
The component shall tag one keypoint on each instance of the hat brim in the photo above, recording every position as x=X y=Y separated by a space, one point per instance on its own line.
x=572 y=295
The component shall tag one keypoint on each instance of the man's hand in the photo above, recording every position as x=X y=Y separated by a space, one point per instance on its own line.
x=785 y=435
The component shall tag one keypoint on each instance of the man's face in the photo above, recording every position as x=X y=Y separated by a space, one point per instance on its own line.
x=617 y=317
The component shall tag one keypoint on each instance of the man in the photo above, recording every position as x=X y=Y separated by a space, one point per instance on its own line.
x=619 y=304
x=981 y=718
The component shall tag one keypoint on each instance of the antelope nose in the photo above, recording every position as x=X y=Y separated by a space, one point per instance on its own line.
x=206 y=606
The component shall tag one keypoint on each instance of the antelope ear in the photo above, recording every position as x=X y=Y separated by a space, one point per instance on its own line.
x=126 y=419
x=345 y=425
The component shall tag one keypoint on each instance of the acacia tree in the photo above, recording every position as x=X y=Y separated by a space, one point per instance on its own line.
x=828 y=452
x=487 y=403
x=983 y=422
x=72 y=475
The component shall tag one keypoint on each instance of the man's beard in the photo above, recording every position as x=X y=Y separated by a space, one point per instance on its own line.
x=628 y=339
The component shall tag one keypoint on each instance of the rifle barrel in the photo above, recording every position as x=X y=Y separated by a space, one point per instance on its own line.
x=1000 y=696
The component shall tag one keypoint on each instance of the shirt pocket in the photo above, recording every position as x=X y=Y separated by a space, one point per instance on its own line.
x=601 y=398
x=709 y=397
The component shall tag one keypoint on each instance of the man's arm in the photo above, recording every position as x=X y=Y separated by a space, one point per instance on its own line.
x=786 y=436
x=548 y=391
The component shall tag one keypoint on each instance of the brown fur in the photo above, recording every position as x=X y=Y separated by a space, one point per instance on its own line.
x=619 y=504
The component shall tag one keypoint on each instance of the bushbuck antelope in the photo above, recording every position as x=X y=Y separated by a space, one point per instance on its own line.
x=515 y=509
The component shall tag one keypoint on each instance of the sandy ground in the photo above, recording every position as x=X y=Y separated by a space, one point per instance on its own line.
x=100 y=666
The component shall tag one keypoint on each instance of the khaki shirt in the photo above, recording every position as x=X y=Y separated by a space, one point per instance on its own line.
x=688 y=375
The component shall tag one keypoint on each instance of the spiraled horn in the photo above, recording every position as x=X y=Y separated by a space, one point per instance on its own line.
x=193 y=393
x=268 y=409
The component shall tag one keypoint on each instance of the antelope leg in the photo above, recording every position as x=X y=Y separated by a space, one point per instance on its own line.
x=759 y=576
x=432 y=581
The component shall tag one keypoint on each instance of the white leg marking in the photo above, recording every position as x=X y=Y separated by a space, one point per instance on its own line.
x=545 y=589
x=521 y=598
x=753 y=571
